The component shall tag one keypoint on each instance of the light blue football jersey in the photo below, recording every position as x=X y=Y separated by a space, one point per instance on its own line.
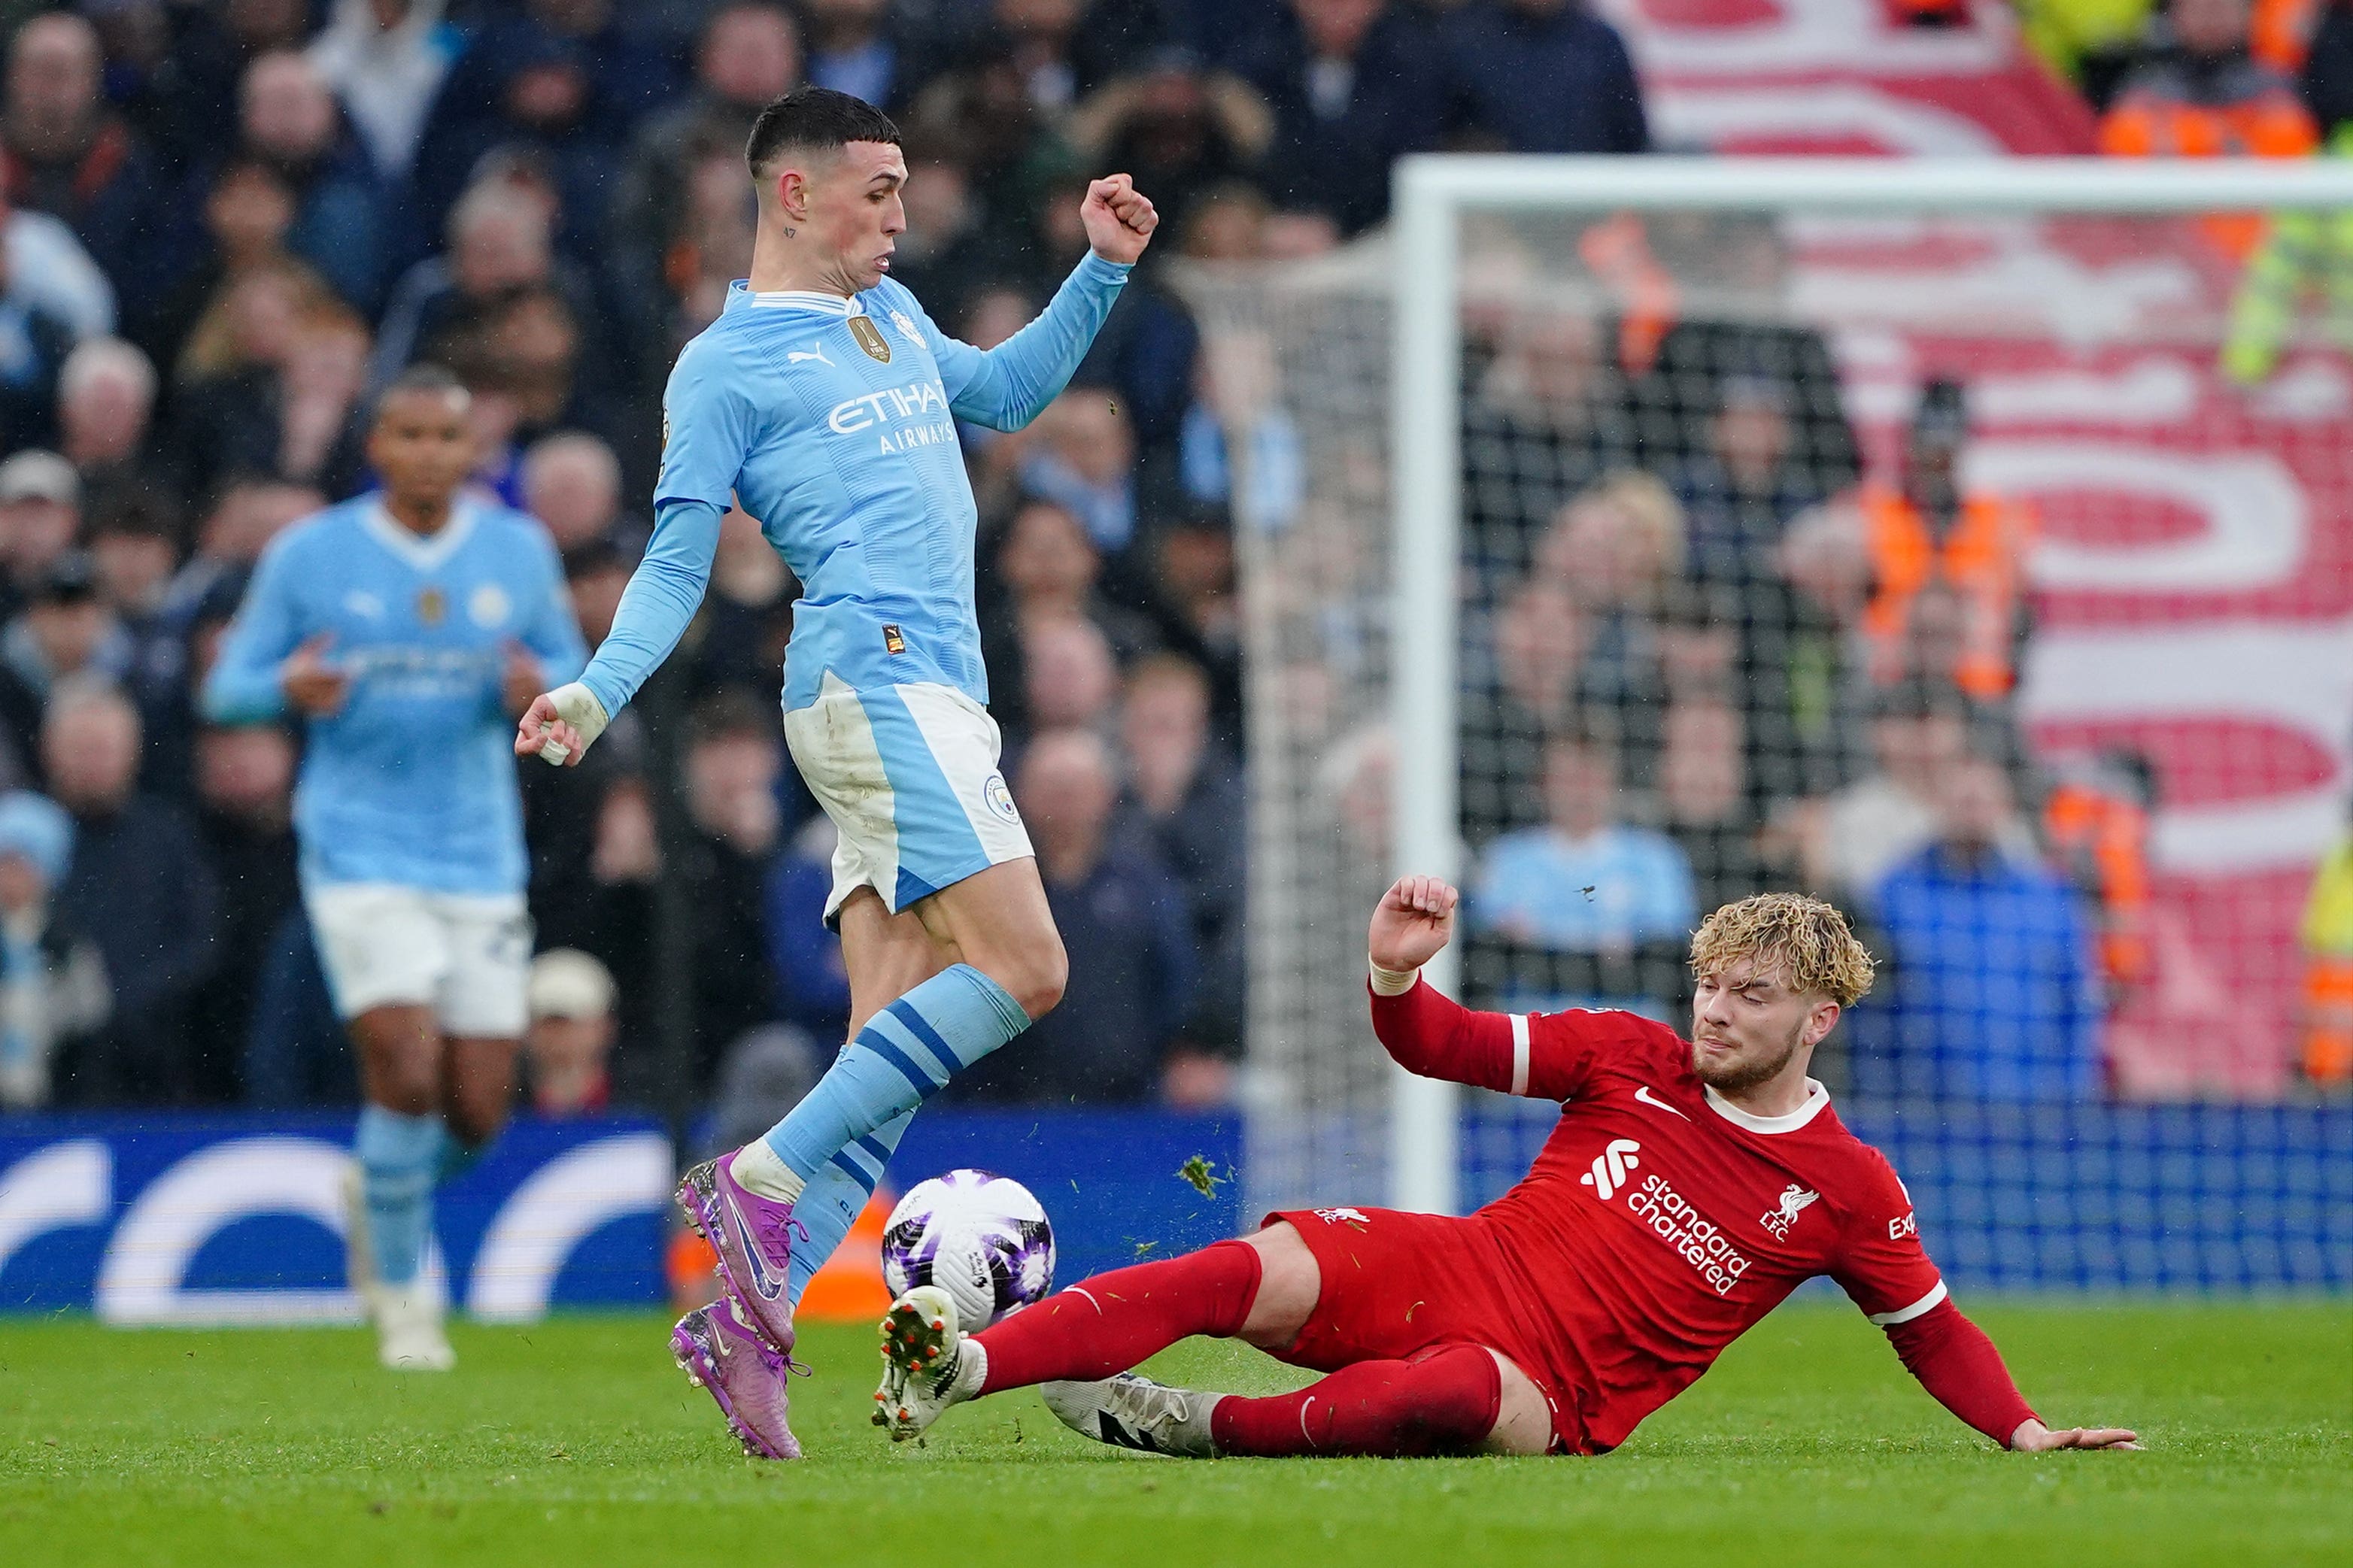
x=413 y=782
x=834 y=421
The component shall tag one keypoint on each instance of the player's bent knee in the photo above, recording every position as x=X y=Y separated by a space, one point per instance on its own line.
x=1523 y=1415
x=1288 y=1286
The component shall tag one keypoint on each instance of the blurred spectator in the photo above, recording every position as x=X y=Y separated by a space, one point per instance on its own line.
x=287 y=119
x=949 y=251
x=43 y=269
x=248 y=512
x=2304 y=255
x=530 y=356
x=1185 y=792
x=855 y=47
x=1062 y=49
x=1930 y=534
x=499 y=241
x=571 y=1032
x=1006 y=140
x=2326 y=1055
x=34 y=346
x=1569 y=86
x=140 y=885
x=385 y=60
x=1548 y=419
x=1080 y=454
x=133 y=546
x=245 y=817
x=747 y=615
x=1587 y=880
x=65 y=630
x=41 y=514
x=106 y=406
x=749 y=54
x=284 y=399
x=1070 y=680
x=2201 y=94
x=1618 y=549
x=1707 y=802
x=1354 y=86
x=1179 y=128
x=63 y=151
x=558 y=78
x=189 y=104
x=804 y=952
x=52 y=982
x=2088 y=42
x=1995 y=995
x=734 y=757
x=1124 y=922
x=572 y=482
x=243 y=219
x=1742 y=489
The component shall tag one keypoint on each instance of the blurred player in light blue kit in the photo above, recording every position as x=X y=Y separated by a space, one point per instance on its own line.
x=406 y=629
x=826 y=402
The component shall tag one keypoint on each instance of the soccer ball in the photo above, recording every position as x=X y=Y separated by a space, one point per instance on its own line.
x=980 y=1236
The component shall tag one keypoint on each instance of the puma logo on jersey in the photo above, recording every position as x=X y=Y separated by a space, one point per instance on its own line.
x=795 y=356
x=1609 y=1167
x=1647 y=1097
x=1795 y=1201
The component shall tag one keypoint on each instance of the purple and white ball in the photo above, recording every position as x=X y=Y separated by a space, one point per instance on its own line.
x=980 y=1236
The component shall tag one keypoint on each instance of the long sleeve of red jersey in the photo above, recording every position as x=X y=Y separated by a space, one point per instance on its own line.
x=1957 y=1363
x=1429 y=1033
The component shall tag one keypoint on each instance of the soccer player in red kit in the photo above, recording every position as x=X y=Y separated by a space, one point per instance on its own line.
x=1688 y=1187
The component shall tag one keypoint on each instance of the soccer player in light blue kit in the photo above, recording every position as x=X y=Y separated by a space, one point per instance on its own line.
x=407 y=628
x=824 y=400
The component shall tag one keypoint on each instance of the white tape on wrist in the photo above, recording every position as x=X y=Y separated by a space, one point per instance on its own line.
x=1391 y=981
x=576 y=706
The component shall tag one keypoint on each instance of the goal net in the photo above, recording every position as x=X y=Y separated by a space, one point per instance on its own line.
x=1970 y=544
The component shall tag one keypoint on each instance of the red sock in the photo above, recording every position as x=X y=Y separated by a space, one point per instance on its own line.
x=1445 y=1402
x=1115 y=1321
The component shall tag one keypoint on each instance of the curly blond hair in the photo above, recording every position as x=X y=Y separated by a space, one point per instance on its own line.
x=1806 y=940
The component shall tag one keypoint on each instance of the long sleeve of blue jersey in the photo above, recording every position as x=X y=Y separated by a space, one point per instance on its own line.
x=712 y=424
x=244 y=686
x=1006 y=387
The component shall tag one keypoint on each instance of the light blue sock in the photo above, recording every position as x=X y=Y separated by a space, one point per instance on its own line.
x=397 y=1155
x=906 y=1054
x=835 y=1195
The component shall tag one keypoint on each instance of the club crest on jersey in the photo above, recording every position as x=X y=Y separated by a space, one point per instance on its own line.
x=906 y=325
x=1795 y=1200
x=432 y=606
x=870 y=338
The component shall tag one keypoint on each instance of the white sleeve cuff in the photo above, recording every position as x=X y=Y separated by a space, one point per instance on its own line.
x=1905 y=1314
x=1392 y=982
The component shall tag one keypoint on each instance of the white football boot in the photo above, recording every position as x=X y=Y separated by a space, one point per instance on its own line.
x=1137 y=1414
x=928 y=1364
x=407 y=1318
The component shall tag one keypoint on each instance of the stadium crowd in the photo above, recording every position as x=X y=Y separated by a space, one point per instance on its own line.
x=1717 y=656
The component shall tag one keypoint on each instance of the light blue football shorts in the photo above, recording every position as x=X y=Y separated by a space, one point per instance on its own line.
x=910 y=776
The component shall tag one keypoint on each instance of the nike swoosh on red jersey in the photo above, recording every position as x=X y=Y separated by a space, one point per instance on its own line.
x=1647 y=1097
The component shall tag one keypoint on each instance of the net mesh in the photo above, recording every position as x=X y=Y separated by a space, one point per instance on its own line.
x=1990 y=577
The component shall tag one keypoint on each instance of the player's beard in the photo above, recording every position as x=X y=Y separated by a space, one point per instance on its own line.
x=1745 y=1072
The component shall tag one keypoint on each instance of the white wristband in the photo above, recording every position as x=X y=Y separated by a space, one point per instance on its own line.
x=1391 y=981
x=578 y=707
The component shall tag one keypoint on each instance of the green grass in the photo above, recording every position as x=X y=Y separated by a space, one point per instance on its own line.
x=576 y=1444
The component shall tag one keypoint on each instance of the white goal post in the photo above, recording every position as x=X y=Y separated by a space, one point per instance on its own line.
x=1433 y=194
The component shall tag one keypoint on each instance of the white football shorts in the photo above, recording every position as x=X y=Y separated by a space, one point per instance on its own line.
x=467 y=956
x=910 y=776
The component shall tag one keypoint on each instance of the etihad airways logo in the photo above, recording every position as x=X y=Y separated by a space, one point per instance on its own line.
x=1609 y=1167
x=912 y=401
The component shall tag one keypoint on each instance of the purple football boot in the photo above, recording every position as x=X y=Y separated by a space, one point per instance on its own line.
x=719 y=1352
x=752 y=1237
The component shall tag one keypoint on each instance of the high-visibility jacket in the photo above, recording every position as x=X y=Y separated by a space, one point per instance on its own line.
x=2256 y=114
x=2328 y=968
x=1982 y=560
x=2105 y=837
x=2306 y=254
x=2279 y=31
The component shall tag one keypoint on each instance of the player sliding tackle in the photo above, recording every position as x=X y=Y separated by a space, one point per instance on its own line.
x=1688 y=1188
x=825 y=401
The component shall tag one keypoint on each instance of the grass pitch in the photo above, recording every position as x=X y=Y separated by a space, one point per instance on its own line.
x=576 y=1443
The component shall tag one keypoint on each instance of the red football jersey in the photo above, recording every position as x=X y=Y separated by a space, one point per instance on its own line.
x=1660 y=1221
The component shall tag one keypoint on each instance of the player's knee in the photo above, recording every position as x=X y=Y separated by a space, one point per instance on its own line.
x=401 y=1082
x=1040 y=973
x=474 y=1123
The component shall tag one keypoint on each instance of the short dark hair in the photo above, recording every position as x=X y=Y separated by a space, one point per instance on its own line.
x=814 y=117
x=424 y=377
